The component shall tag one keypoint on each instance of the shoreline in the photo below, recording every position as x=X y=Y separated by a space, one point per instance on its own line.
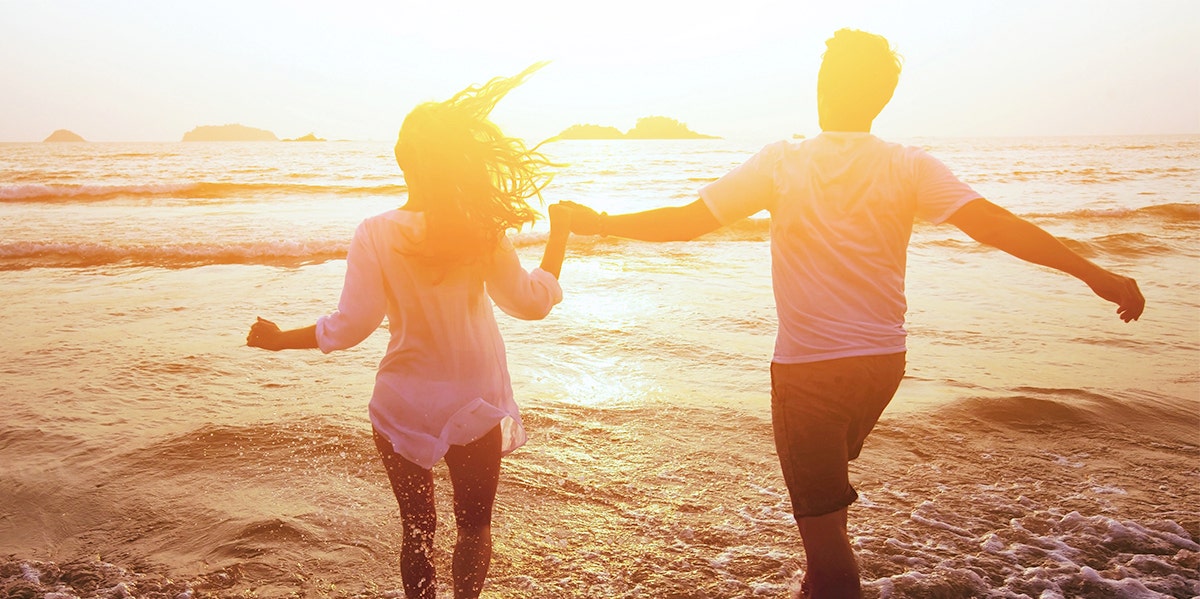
x=697 y=502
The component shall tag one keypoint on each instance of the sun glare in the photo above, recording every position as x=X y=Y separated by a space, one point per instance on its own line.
x=152 y=72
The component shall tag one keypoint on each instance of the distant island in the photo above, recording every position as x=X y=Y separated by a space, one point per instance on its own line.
x=64 y=135
x=650 y=127
x=591 y=132
x=228 y=133
x=309 y=137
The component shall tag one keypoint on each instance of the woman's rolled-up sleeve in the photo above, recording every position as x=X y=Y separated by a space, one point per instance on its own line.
x=363 y=303
x=520 y=294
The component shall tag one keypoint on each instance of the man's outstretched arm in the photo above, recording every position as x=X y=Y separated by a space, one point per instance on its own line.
x=676 y=223
x=992 y=225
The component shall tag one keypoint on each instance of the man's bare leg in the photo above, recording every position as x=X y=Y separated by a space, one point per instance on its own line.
x=832 y=571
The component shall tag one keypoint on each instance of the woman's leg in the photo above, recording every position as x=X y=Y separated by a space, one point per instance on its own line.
x=475 y=473
x=413 y=487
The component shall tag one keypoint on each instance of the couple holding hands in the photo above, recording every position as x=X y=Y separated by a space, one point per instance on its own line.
x=842 y=207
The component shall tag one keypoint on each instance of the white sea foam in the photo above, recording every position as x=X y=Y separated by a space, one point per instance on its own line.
x=31 y=574
x=1046 y=553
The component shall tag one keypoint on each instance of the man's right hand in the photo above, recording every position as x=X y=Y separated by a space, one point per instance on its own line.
x=584 y=220
x=560 y=219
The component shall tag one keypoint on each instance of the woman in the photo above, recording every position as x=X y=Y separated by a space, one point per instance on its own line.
x=443 y=388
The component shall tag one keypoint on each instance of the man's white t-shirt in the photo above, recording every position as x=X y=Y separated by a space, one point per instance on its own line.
x=842 y=208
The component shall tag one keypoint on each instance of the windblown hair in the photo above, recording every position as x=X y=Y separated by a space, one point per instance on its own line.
x=859 y=73
x=472 y=182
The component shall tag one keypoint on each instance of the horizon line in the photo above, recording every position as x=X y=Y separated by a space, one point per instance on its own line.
x=554 y=138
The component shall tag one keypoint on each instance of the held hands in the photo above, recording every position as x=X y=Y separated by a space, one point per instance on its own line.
x=556 y=245
x=264 y=334
x=582 y=221
x=561 y=216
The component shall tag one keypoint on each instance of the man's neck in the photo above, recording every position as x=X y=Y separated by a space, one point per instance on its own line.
x=846 y=127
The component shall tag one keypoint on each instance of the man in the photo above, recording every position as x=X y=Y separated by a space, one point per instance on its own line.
x=842 y=207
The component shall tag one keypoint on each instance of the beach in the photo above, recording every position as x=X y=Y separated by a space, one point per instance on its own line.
x=1038 y=446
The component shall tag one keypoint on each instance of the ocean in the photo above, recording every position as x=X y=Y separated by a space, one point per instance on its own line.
x=1039 y=447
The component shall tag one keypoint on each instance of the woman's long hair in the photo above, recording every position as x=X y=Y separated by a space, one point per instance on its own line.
x=472 y=182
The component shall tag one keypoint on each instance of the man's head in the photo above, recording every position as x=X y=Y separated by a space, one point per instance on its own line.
x=858 y=75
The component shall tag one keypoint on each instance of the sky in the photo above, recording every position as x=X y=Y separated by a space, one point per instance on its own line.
x=136 y=70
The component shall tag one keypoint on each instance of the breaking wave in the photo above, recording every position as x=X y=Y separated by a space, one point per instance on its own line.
x=50 y=193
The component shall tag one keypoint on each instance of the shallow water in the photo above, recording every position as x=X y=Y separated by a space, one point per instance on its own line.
x=1038 y=447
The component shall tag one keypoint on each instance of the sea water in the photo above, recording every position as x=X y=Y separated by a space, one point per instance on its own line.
x=1039 y=447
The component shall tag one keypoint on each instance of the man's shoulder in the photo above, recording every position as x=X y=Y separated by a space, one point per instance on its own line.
x=777 y=148
x=910 y=155
x=769 y=155
x=908 y=149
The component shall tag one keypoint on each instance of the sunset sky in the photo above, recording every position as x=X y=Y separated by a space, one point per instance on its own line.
x=152 y=70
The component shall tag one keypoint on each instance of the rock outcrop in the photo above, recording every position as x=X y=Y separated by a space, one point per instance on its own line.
x=309 y=137
x=64 y=135
x=228 y=133
x=650 y=127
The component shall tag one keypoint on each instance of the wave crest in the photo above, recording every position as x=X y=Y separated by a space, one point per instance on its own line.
x=1171 y=213
x=24 y=255
x=50 y=193
x=1041 y=409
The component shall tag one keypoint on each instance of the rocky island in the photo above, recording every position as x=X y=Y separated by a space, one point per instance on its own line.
x=591 y=132
x=64 y=135
x=228 y=133
x=309 y=137
x=650 y=127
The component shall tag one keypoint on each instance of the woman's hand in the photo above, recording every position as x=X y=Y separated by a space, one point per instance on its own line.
x=583 y=221
x=1120 y=290
x=264 y=334
x=561 y=216
x=556 y=244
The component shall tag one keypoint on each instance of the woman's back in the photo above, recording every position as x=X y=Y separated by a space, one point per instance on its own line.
x=445 y=373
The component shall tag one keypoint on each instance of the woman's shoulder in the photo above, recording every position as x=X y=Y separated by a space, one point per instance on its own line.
x=395 y=228
x=397 y=216
x=395 y=221
x=504 y=243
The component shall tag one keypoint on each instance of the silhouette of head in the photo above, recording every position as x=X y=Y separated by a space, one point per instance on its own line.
x=471 y=181
x=859 y=73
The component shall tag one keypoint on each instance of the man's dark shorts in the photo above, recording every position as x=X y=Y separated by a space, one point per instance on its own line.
x=821 y=413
